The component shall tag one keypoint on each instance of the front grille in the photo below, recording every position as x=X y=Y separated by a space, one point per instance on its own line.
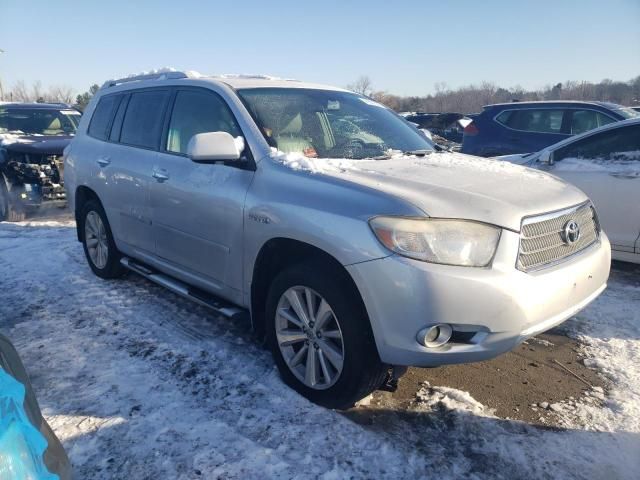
x=543 y=240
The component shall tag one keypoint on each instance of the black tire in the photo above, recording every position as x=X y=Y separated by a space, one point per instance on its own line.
x=10 y=211
x=362 y=370
x=113 y=268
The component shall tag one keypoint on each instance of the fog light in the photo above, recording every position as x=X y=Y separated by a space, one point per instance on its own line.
x=23 y=195
x=435 y=335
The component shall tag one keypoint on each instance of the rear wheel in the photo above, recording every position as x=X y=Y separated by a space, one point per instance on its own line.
x=99 y=248
x=320 y=336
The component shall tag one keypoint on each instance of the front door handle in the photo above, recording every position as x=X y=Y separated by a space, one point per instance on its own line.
x=103 y=161
x=161 y=175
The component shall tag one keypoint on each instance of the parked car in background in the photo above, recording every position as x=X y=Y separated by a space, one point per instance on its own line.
x=28 y=447
x=523 y=127
x=605 y=164
x=330 y=221
x=445 y=125
x=32 y=138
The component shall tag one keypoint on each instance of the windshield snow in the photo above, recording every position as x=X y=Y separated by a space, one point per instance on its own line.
x=330 y=124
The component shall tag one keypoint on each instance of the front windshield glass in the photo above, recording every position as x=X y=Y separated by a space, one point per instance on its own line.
x=330 y=124
x=39 y=121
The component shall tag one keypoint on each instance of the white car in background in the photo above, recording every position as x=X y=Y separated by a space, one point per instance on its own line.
x=605 y=164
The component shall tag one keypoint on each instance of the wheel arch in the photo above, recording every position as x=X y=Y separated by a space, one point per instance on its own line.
x=82 y=195
x=279 y=253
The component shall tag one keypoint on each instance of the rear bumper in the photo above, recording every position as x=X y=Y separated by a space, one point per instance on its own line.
x=490 y=309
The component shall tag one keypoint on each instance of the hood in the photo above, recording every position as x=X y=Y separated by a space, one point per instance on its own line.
x=453 y=185
x=50 y=145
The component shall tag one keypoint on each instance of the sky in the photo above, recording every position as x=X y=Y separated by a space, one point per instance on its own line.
x=404 y=47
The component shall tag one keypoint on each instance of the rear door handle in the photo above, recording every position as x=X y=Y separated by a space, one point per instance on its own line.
x=103 y=161
x=160 y=174
x=625 y=175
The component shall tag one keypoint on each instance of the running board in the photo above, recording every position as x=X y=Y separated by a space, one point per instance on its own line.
x=196 y=295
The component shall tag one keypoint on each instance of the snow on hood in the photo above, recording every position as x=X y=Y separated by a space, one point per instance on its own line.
x=297 y=161
x=453 y=185
x=517 y=158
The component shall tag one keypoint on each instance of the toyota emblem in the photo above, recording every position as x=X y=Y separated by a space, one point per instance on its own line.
x=571 y=232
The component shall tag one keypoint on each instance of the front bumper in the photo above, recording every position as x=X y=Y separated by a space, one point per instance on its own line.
x=32 y=196
x=490 y=309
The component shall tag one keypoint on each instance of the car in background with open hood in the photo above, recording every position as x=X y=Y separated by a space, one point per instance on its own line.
x=32 y=139
x=28 y=447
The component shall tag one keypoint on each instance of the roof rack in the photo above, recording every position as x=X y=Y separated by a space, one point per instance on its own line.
x=163 y=74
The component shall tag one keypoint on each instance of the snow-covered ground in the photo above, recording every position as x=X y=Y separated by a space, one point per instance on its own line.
x=139 y=383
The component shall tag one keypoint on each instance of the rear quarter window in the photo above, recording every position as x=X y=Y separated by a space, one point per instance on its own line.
x=143 y=120
x=101 y=117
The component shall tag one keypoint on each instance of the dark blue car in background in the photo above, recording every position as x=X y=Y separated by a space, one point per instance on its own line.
x=523 y=127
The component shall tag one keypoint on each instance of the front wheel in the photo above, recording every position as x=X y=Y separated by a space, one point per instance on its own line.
x=320 y=336
x=97 y=240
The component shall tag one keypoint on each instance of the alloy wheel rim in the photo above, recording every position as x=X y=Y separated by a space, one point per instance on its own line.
x=95 y=236
x=309 y=337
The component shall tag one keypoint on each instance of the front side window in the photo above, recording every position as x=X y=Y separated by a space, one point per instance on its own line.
x=616 y=144
x=585 y=120
x=198 y=112
x=330 y=124
x=533 y=120
x=39 y=121
x=142 y=122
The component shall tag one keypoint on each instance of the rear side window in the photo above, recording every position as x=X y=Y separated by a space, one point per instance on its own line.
x=533 y=120
x=102 y=116
x=584 y=120
x=198 y=112
x=143 y=119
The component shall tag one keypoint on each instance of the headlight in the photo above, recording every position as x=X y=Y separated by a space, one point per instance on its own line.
x=450 y=242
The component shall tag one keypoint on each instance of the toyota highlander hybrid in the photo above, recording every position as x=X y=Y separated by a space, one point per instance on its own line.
x=356 y=247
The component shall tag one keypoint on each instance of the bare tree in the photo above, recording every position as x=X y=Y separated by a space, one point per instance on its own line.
x=36 y=92
x=362 y=85
x=61 y=93
x=19 y=92
x=471 y=98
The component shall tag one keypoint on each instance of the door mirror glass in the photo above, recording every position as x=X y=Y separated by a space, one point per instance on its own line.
x=211 y=147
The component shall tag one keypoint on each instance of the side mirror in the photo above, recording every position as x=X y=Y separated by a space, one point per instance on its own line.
x=212 y=147
x=546 y=157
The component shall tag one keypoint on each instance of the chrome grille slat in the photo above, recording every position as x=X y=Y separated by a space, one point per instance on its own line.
x=542 y=242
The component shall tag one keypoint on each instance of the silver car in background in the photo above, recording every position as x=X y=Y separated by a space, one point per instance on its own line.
x=354 y=244
x=605 y=163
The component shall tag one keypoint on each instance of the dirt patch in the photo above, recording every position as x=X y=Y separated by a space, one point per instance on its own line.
x=509 y=384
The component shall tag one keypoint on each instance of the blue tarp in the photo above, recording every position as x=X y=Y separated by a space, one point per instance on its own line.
x=21 y=444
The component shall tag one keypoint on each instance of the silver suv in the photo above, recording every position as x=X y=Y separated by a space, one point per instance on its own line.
x=356 y=246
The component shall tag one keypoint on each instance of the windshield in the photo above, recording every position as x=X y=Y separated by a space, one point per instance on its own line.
x=330 y=124
x=628 y=112
x=39 y=121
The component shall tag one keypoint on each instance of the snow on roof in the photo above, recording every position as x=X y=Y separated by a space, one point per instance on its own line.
x=234 y=80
